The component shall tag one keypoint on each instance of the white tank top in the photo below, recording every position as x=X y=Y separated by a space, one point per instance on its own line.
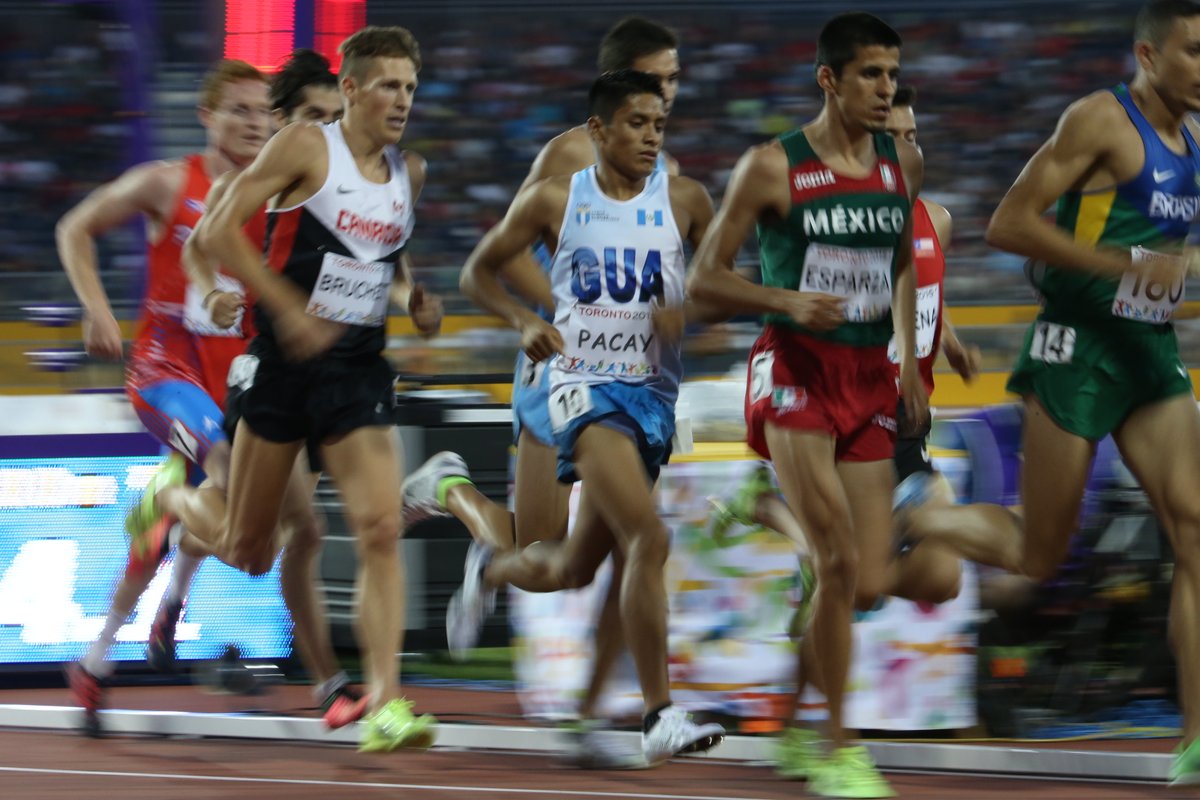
x=616 y=261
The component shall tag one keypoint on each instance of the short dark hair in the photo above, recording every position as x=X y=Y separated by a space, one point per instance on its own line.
x=302 y=69
x=905 y=96
x=375 y=41
x=633 y=38
x=610 y=91
x=1155 y=20
x=842 y=36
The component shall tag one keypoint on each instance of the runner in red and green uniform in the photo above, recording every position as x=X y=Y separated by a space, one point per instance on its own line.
x=831 y=202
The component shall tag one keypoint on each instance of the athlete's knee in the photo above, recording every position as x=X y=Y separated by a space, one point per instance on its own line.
x=1039 y=566
x=377 y=530
x=836 y=568
x=649 y=546
x=1181 y=516
x=942 y=581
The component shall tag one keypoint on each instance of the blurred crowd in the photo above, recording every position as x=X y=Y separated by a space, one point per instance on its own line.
x=496 y=85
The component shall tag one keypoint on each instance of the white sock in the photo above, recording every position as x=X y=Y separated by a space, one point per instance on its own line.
x=182 y=572
x=328 y=687
x=96 y=661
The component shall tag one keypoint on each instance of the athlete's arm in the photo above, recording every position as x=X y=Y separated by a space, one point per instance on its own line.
x=147 y=189
x=757 y=189
x=963 y=359
x=285 y=162
x=1084 y=141
x=201 y=270
x=904 y=294
x=425 y=308
x=565 y=154
x=535 y=212
x=695 y=202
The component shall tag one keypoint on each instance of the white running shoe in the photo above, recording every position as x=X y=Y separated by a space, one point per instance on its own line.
x=675 y=733
x=471 y=604
x=589 y=746
x=421 y=487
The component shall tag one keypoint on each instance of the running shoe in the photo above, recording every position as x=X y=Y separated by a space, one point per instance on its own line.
x=88 y=693
x=797 y=753
x=471 y=604
x=848 y=772
x=590 y=746
x=395 y=726
x=160 y=648
x=425 y=489
x=909 y=495
x=149 y=549
x=675 y=733
x=342 y=706
x=1185 y=768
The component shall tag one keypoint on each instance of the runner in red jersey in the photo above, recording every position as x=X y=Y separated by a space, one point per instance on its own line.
x=178 y=353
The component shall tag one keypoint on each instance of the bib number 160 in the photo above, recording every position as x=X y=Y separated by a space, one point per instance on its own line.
x=568 y=403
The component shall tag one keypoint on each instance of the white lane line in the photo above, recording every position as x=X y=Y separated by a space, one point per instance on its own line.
x=367 y=785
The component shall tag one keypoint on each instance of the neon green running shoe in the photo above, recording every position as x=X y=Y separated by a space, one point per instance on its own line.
x=1185 y=769
x=146 y=512
x=797 y=753
x=395 y=726
x=849 y=772
x=740 y=508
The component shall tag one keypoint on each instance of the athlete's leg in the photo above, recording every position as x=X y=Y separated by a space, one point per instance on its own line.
x=1053 y=476
x=301 y=530
x=365 y=467
x=1160 y=443
x=540 y=501
x=867 y=486
x=930 y=572
x=804 y=464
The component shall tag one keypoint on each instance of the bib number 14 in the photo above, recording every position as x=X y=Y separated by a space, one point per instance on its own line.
x=1052 y=344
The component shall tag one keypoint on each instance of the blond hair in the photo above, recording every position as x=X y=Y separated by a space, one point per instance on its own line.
x=223 y=73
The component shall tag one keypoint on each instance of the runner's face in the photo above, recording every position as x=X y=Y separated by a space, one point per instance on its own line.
x=1174 y=68
x=321 y=104
x=241 y=123
x=665 y=65
x=632 y=141
x=865 y=89
x=902 y=124
x=384 y=98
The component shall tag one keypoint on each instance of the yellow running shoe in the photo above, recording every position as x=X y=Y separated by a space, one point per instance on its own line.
x=848 y=772
x=797 y=753
x=1185 y=769
x=395 y=726
x=143 y=515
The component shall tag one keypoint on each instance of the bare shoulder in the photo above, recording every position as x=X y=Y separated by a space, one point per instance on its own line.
x=1093 y=121
x=417 y=167
x=768 y=159
x=565 y=154
x=912 y=164
x=672 y=163
x=942 y=222
x=687 y=190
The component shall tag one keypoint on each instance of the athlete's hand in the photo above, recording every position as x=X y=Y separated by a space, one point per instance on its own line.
x=916 y=400
x=963 y=359
x=224 y=308
x=816 y=311
x=102 y=336
x=303 y=336
x=425 y=308
x=539 y=339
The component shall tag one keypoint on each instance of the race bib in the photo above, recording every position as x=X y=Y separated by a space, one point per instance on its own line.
x=351 y=292
x=1143 y=300
x=929 y=307
x=863 y=276
x=197 y=320
x=568 y=403
x=613 y=341
x=1052 y=343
